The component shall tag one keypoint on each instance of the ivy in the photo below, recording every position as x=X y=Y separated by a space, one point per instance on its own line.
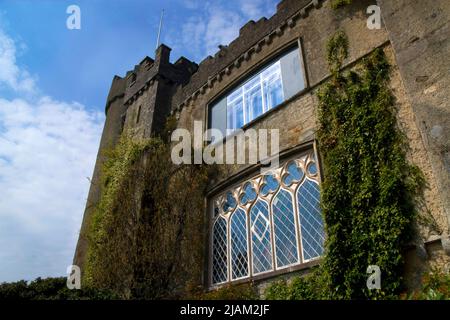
x=308 y=287
x=230 y=292
x=337 y=52
x=435 y=286
x=115 y=171
x=49 y=289
x=369 y=187
x=146 y=238
x=336 y=4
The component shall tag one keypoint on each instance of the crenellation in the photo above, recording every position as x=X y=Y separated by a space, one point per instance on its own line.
x=248 y=27
x=239 y=46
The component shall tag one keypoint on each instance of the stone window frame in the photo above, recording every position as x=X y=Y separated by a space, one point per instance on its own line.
x=241 y=178
x=276 y=54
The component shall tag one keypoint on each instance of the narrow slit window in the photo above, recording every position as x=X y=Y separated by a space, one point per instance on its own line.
x=138 y=115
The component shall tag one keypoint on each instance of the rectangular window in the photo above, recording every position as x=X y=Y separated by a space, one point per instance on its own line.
x=267 y=223
x=262 y=91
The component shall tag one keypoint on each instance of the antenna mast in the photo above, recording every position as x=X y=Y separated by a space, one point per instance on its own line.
x=159 y=30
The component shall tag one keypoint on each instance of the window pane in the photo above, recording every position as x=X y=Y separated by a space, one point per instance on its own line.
x=284 y=229
x=235 y=114
x=293 y=174
x=273 y=86
x=239 y=248
x=313 y=234
x=236 y=94
x=219 y=267
x=218 y=116
x=261 y=239
x=249 y=194
x=270 y=185
x=291 y=69
x=253 y=101
x=229 y=203
x=263 y=91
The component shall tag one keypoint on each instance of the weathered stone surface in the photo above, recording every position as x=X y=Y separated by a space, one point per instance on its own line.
x=115 y=108
x=415 y=37
x=419 y=32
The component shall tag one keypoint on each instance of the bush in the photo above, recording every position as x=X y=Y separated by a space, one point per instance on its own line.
x=435 y=286
x=307 y=287
x=49 y=289
x=231 y=292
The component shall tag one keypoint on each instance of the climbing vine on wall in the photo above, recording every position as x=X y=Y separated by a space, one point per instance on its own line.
x=147 y=233
x=369 y=187
x=146 y=239
x=335 y=4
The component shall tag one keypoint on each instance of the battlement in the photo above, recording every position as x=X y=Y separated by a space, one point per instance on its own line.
x=138 y=79
x=252 y=36
x=192 y=79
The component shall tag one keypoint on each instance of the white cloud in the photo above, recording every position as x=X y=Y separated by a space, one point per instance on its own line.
x=195 y=27
x=253 y=9
x=11 y=75
x=190 y=4
x=47 y=149
x=217 y=23
x=221 y=28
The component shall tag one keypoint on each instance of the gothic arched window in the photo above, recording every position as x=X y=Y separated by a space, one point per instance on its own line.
x=285 y=231
x=239 y=245
x=310 y=218
x=267 y=223
x=261 y=232
x=220 y=251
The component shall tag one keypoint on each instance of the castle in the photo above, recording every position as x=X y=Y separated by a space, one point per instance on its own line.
x=268 y=77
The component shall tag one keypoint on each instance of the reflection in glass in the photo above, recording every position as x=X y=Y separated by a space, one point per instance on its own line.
x=261 y=239
x=284 y=229
x=313 y=234
x=219 y=258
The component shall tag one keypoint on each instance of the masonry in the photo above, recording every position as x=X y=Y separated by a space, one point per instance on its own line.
x=415 y=37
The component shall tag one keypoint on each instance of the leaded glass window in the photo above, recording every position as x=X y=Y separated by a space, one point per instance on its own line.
x=267 y=223
x=239 y=247
x=310 y=218
x=220 y=252
x=284 y=229
x=261 y=237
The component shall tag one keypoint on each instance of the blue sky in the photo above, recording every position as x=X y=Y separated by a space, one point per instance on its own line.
x=53 y=85
x=115 y=35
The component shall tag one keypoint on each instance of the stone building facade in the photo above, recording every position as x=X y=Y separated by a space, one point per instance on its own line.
x=414 y=36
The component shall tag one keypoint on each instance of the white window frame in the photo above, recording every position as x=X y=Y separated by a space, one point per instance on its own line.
x=244 y=90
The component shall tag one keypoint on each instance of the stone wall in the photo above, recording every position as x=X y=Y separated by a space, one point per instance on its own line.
x=112 y=129
x=419 y=33
x=415 y=39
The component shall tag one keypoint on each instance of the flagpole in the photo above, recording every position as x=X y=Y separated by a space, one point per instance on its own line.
x=159 y=30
